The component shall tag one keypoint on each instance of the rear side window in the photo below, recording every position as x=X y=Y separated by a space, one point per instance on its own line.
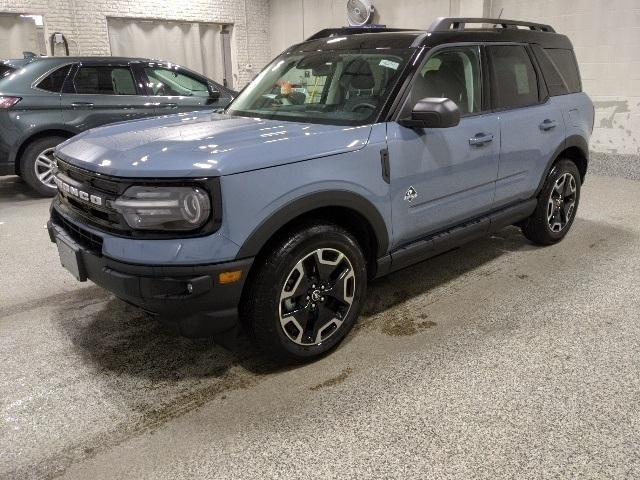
x=107 y=80
x=54 y=81
x=565 y=63
x=515 y=83
x=5 y=70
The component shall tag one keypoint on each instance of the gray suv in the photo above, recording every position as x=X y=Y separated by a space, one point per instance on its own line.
x=44 y=101
x=350 y=156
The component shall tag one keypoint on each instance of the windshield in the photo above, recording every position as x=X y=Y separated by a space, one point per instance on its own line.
x=338 y=87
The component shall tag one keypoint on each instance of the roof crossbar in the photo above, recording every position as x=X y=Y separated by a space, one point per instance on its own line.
x=445 y=24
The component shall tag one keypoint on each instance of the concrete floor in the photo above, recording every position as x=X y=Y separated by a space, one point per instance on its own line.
x=496 y=360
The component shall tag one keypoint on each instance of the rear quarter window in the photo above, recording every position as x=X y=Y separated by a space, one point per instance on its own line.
x=5 y=70
x=566 y=65
x=54 y=81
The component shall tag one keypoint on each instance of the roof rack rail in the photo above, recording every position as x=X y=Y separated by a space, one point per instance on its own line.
x=445 y=24
x=336 y=32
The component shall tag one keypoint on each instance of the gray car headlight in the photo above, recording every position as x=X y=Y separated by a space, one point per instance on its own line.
x=164 y=207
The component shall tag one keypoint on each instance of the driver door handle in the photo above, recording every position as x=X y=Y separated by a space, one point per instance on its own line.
x=79 y=105
x=480 y=139
x=169 y=105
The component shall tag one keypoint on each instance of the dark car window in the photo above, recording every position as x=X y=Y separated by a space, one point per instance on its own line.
x=104 y=80
x=5 y=70
x=555 y=83
x=54 y=81
x=454 y=74
x=515 y=82
x=565 y=62
x=165 y=81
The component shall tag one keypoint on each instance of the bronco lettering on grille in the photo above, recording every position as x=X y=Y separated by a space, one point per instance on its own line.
x=64 y=187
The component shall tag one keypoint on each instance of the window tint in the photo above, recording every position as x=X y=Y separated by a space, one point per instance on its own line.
x=565 y=63
x=105 y=80
x=514 y=78
x=54 y=81
x=555 y=83
x=5 y=70
x=454 y=74
x=164 y=81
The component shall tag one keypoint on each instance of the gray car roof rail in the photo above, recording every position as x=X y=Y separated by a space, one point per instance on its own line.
x=446 y=24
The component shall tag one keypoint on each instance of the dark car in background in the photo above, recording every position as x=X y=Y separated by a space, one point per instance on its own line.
x=46 y=100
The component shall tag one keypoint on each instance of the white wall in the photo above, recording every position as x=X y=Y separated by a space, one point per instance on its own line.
x=294 y=20
x=606 y=38
x=84 y=23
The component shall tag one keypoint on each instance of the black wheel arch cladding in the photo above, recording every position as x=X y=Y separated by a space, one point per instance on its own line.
x=317 y=201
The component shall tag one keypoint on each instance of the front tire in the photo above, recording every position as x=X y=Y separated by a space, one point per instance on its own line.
x=37 y=164
x=557 y=205
x=307 y=292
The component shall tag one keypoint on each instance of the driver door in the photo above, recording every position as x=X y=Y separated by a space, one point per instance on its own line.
x=443 y=177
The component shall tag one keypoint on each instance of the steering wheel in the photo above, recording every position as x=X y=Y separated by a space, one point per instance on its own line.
x=364 y=105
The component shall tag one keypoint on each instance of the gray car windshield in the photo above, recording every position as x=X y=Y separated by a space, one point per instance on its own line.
x=336 y=87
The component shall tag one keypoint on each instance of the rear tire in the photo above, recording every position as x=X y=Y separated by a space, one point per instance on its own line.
x=306 y=293
x=36 y=165
x=557 y=205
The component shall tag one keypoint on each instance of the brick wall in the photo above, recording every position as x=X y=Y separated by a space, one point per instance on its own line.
x=84 y=23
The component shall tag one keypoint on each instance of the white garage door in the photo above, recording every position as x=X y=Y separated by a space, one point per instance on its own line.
x=17 y=34
x=198 y=46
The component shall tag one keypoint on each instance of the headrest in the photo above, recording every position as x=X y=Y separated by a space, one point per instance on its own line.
x=358 y=75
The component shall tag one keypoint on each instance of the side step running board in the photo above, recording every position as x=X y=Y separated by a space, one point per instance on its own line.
x=441 y=242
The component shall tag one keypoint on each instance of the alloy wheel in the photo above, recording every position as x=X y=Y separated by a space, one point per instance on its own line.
x=44 y=167
x=317 y=296
x=562 y=202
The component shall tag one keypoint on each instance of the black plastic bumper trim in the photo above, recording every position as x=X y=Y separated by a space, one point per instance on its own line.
x=188 y=295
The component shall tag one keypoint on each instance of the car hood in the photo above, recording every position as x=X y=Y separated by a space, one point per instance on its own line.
x=204 y=144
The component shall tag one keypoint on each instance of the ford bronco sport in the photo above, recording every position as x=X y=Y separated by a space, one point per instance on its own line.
x=350 y=156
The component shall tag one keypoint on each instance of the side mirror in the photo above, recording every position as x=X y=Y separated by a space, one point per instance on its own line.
x=213 y=94
x=433 y=113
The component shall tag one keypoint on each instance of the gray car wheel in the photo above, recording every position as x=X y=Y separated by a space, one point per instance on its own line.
x=37 y=165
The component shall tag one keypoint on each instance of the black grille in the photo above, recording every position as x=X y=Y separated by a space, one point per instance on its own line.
x=83 y=237
x=91 y=179
x=103 y=217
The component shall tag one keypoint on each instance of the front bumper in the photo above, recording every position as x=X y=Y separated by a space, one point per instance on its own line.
x=191 y=296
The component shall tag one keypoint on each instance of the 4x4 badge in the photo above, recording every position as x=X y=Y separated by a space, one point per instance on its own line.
x=410 y=195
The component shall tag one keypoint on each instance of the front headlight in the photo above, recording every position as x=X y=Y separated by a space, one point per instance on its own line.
x=164 y=207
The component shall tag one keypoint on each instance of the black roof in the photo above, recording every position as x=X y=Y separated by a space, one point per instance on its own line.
x=443 y=30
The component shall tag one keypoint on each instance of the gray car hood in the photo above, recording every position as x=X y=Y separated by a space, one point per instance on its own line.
x=204 y=144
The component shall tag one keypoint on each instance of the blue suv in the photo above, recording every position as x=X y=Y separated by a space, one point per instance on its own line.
x=351 y=155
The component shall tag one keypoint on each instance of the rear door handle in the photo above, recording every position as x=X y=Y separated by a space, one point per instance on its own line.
x=480 y=139
x=79 y=105
x=548 y=124
x=169 y=105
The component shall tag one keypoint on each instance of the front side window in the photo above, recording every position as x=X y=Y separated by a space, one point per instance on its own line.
x=54 y=81
x=514 y=83
x=167 y=82
x=336 y=87
x=104 y=80
x=453 y=73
